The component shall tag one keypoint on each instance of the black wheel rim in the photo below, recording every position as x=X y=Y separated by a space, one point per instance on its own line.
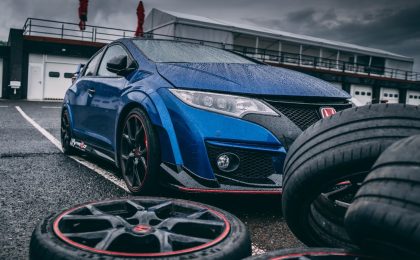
x=141 y=227
x=65 y=130
x=134 y=152
x=340 y=195
x=327 y=211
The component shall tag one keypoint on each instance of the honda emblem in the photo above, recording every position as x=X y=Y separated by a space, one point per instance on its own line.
x=327 y=111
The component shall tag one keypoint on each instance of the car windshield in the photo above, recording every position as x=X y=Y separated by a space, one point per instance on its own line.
x=171 y=51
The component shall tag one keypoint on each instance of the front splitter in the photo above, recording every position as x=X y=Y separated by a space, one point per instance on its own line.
x=185 y=182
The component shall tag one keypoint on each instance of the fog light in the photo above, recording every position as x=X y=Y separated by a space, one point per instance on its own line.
x=223 y=162
x=227 y=162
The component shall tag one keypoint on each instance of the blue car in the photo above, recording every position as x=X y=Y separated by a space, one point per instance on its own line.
x=191 y=117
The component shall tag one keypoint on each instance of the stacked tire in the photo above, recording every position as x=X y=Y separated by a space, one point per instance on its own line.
x=327 y=163
x=329 y=202
x=385 y=215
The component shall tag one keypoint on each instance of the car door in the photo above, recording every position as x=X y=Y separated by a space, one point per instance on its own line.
x=82 y=98
x=104 y=100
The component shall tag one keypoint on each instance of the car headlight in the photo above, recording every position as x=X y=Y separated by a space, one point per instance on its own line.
x=236 y=106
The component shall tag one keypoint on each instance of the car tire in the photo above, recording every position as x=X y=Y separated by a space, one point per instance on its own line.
x=141 y=152
x=66 y=134
x=55 y=237
x=311 y=253
x=326 y=164
x=385 y=215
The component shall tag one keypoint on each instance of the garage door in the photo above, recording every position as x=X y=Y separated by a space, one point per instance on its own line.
x=362 y=93
x=50 y=76
x=389 y=95
x=413 y=97
x=57 y=79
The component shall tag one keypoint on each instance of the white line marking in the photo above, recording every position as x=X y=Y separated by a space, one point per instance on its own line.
x=40 y=129
x=4 y=106
x=50 y=107
x=104 y=173
x=256 y=250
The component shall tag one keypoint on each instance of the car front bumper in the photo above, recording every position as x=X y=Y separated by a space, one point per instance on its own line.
x=259 y=141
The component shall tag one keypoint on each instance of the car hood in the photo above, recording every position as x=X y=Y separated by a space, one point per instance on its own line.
x=247 y=79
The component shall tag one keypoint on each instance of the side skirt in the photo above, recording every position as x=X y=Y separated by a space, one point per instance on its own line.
x=91 y=149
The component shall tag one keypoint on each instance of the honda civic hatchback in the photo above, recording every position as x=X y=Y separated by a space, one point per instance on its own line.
x=191 y=117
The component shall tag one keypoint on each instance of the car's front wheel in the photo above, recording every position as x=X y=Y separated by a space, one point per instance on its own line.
x=138 y=152
x=65 y=134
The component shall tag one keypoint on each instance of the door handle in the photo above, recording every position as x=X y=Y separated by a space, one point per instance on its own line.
x=91 y=91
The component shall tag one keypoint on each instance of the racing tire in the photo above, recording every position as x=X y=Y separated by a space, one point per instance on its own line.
x=311 y=253
x=140 y=228
x=327 y=163
x=66 y=134
x=385 y=215
x=139 y=153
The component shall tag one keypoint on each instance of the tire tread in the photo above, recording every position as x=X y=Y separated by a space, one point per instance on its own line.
x=385 y=215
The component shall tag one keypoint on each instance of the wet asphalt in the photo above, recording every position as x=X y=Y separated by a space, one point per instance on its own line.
x=36 y=179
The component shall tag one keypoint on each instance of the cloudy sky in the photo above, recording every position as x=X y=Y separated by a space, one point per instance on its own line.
x=385 y=24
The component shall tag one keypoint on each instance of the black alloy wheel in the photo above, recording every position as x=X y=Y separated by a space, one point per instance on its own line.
x=139 y=153
x=335 y=200
x=65 y=133
x=339 y=197
x=327 y=212
x=144 y=227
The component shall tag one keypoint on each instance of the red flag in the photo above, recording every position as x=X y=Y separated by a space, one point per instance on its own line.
x=82 y=25
x=140 y=20
x=83 y=8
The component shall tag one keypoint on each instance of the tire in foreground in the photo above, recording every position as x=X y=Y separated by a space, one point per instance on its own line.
x=327 y=163
x=141 y=228
x=385 y=215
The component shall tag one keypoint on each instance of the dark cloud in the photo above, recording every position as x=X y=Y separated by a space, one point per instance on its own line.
x=386 y=24
x=395 y=29
x=386 y=27
x=304 y=15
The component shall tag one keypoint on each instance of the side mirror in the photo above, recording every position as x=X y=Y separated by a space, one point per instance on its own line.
x=117 y=65
x=77 y=73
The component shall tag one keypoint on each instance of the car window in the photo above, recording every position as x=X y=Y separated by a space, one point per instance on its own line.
x=91 y=66
x=112 y=52
x=171 y=51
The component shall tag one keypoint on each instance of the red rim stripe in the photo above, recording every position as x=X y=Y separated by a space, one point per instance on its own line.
x=113 y=253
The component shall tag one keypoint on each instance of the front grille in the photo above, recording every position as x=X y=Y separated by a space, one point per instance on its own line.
x=303 y=114
x=254 y=166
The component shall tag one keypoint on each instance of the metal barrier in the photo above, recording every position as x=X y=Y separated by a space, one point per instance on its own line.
x=71 y=31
